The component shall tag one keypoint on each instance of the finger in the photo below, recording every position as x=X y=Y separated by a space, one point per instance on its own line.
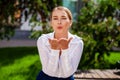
x=55 y=39
x=49 y=40
x=70 y=39
x=63 y=39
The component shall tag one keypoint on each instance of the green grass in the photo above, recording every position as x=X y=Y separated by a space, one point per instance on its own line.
x=110 y=62
x=23 y=63
x=20 y=63
x=113 y=58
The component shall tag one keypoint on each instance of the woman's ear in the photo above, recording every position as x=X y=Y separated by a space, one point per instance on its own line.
x=70 y=23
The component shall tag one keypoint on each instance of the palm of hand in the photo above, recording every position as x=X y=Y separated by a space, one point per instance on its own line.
x=59 y=44
x=54 y=44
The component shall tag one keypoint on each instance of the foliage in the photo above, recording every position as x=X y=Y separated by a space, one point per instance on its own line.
x=97 y=25
x=11 y=12
x=6 y=12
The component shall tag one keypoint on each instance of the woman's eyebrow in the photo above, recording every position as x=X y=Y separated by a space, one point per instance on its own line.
x=63 y=16
x=54 y=16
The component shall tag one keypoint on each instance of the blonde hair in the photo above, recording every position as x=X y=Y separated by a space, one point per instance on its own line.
x=64 y=9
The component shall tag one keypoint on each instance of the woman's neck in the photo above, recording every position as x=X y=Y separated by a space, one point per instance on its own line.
x=61 y=35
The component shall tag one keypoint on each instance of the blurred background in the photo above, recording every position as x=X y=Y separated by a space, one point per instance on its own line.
x=23 y=21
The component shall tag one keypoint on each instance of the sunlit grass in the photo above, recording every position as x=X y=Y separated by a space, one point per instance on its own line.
x=20 y=68
x=114 y=57
x=25 y=67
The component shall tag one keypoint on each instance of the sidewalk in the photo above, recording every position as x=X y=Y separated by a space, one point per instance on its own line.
x=17 y=43
x=98 y=74
x=20 y=39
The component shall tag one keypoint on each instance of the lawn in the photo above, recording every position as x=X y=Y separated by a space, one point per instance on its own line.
x=114 y=57
x=22 y=63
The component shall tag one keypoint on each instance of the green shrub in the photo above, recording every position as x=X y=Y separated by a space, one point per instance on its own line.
x=97 y=25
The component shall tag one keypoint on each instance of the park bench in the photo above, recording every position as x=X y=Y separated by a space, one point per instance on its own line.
x=97 y=74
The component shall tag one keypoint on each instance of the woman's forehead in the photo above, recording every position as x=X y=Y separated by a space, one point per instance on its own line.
x=59 y=12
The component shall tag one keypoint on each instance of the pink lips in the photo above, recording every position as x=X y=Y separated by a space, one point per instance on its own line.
x=59 y=27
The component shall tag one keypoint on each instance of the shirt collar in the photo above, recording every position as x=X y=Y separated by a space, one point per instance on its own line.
x=69 y=35
x=51 y=36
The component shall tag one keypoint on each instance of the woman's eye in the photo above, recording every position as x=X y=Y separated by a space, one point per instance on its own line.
x=55 y=18
x=64 y=18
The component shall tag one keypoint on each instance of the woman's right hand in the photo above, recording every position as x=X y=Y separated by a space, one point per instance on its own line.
x=54 y=44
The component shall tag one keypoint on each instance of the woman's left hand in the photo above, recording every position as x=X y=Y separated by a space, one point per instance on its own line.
x=64 y=43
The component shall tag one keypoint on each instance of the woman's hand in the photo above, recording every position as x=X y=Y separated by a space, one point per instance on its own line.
x=59 y=44
x=54 y=43
x=64 y=43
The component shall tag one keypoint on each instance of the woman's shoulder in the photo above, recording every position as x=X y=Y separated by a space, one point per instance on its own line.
x=77 y=39
x=45 y=36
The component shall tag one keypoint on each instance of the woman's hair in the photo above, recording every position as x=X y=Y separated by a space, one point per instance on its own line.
x=64 y=9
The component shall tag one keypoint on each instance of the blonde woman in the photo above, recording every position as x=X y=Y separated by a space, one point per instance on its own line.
x=59 y=51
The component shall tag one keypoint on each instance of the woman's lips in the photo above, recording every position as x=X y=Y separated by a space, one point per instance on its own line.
x=59 y=27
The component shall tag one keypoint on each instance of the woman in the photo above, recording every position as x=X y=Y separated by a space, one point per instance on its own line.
x=60 y=51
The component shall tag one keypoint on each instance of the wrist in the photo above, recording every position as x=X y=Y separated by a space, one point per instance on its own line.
x=55 y=48
x=63 y=48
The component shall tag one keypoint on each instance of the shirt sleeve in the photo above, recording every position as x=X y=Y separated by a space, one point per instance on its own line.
x=70 y=58
x=49 y=58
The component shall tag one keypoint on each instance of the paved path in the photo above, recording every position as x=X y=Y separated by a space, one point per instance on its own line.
x=17 y=43
x=20 y=39
x=97 y=74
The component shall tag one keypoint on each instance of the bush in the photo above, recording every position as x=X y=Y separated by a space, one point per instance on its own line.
x=97 y=25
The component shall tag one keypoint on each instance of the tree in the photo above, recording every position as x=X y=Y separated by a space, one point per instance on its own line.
x=6 y=13
x=10 y=14
x=97 y=25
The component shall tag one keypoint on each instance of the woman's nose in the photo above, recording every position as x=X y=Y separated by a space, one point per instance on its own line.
x=59 y=21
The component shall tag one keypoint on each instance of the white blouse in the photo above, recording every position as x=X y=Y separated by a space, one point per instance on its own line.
x=65 y=65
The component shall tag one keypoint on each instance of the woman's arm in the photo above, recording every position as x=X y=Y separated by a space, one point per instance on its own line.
x=70 y=58
x=49 y=58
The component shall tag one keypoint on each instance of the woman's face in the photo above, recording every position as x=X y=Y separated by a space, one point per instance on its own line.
x=60 y=21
